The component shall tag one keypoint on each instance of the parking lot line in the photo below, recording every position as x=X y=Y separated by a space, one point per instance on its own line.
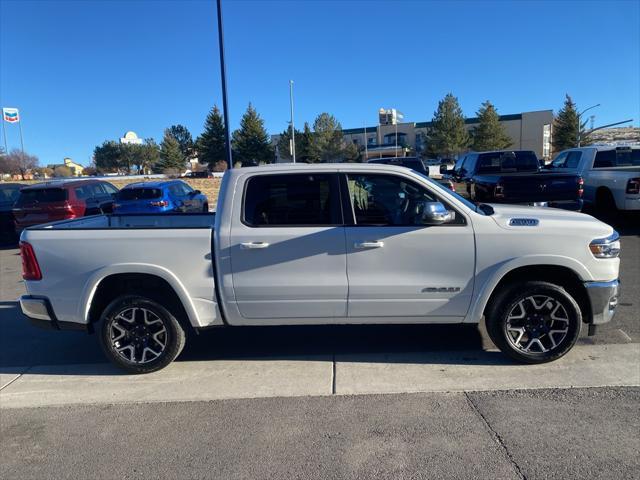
x=8 y=375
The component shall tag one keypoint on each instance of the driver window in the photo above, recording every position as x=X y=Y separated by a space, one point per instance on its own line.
x=387 y=200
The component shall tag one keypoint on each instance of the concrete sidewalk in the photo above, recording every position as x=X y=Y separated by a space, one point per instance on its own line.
x=584 y=366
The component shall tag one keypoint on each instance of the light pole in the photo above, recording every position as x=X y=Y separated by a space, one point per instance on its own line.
x=366 y=141
x=223 y=74
x=293 y=128
x=580 y=121
x=609 y=125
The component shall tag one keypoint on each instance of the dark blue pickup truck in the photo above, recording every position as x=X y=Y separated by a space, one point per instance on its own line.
x=515 y=176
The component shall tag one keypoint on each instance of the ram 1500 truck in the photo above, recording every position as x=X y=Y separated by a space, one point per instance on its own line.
x=323 y=244
x=515 y=176
x=611 y=174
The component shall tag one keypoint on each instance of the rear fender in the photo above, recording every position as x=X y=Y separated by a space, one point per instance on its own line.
x=94 y=281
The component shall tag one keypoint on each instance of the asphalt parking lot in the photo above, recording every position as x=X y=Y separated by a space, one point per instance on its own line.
x=440 y=402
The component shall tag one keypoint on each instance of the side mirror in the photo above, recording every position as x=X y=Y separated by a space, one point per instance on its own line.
x=195 y=192
x=435 y=213
x=443 y=169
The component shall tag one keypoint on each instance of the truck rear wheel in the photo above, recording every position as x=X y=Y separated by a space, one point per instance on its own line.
x=139 y=335
x=534 y=322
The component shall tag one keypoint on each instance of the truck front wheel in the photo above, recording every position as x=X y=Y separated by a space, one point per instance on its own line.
x=139 y=335
x=534 y=322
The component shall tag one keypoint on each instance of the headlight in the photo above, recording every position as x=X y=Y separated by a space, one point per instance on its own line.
x=606 y=247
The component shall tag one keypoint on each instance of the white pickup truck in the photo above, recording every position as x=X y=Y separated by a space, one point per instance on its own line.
x=323 y=244
x=611 y=174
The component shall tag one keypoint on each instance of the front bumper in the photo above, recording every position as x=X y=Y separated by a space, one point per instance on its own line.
x=603 y=297
x=40 y=313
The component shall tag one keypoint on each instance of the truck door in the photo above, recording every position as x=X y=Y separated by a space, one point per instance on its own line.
x=287 y=247
x=398 y=267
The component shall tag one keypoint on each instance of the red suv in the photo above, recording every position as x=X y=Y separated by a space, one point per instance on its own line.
x=61 y=200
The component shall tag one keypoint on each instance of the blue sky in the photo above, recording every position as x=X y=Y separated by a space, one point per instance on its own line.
x=82 y=72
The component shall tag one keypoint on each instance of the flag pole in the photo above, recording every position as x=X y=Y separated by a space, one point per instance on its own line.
x=4 y=131
x=21 y=141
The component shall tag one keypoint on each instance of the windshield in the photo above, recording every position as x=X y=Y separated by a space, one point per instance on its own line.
x=506 y=162
x=139 y=193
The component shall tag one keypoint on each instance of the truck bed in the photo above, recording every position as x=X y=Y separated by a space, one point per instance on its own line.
x=520 y=187
x=75 y=255
x=133 y=221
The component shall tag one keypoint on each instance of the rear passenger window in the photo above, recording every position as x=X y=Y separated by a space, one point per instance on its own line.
x=605 y=159
x=96 y=190
x=82 y=192
x=282 y=200
x=110 y=189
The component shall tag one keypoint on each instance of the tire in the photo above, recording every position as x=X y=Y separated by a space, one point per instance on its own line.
x=534 y=322
x=150 y=337
x=605 y=203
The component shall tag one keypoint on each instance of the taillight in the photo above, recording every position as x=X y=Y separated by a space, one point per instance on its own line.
x=161 y=203
x=452 y=187
x=30 y=267
x=633 y=186
x=499 y=191
x=580 y=187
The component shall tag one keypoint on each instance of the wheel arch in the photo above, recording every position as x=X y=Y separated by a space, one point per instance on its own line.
x=535 y=267
x=560 y=275
x=155 y=282
x=605 y=193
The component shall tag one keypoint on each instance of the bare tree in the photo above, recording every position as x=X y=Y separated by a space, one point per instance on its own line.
x=18 y=163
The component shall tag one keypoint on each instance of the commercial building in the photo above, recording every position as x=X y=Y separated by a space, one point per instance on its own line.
x=528 y=131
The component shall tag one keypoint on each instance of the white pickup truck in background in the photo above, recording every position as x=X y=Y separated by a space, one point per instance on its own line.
x=323 y=244
x=611 y=174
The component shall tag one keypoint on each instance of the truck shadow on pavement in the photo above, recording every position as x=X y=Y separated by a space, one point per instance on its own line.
x=22 y=345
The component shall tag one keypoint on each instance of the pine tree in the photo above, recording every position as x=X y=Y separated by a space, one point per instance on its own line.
x=352 y=153
x=447 y=135
x=171 y=159
x=489 y=134
x=184 y=139
x=251 y=144
x=304 y=151
x=328 y=142
x=566 y=126
x=211 y=144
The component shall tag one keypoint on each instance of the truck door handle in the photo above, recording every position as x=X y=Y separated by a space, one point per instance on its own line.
x=248 y=245
x=376 y=244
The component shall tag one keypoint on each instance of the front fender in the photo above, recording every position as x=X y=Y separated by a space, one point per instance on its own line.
x=489 y=278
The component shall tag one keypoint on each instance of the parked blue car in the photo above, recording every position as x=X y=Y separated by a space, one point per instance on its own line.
x=160 y=197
